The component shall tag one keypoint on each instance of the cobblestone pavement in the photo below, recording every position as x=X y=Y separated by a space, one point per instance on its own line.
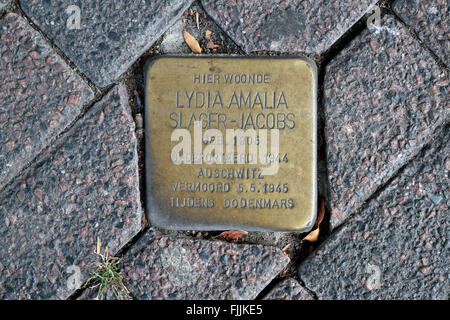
x=397 y=248
x=71 y=150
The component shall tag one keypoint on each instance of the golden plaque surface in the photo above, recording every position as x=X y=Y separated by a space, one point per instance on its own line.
x=231 y=143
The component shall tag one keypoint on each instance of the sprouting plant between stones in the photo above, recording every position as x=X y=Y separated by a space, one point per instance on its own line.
x=107 y=277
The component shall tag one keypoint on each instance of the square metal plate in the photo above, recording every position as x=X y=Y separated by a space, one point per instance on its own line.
x=231 y=143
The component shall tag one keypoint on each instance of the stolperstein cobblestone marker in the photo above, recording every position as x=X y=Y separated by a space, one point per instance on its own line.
x=231 y=143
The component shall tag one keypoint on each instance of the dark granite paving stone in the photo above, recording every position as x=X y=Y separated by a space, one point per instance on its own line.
x=39 y=95
x=384 y=96
x=112 y=34
x=309 y=26
x=288 y=289
x=84 y=189
x=159 y=267
x=398 y=247
x=430 y=20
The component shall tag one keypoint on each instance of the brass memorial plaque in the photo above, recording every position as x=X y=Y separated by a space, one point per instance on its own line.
x=231 y=143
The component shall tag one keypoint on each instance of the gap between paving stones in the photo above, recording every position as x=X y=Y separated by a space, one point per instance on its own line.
x=387 y=7
x=3 y=13
x=349 y=35
x=288 y=289
x=96 y=89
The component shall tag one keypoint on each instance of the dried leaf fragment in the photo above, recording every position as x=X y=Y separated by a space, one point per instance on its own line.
x=192 y=42
x=232 y=234
x=208 y=34
x=313 y=236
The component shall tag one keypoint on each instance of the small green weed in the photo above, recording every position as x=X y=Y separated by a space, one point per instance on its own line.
x=107 y=277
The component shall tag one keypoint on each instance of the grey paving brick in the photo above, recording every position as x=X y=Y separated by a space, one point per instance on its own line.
x=309 y=26
x=384 y=96
x=112 y=34
x=39 y=95
x=288 y=289
x=3 y=3
x=161 y=267
x=92 y=293
x=83 y=189
x=430 y=20
x=398 y=247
